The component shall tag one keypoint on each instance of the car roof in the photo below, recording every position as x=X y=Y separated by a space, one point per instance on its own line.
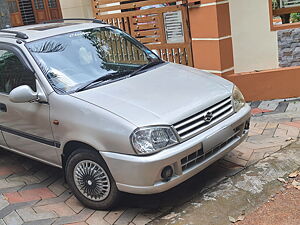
x=40 y=31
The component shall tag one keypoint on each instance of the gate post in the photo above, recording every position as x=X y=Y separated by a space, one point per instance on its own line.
x=211 y=36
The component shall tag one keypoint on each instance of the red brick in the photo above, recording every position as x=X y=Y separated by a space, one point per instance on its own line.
x=293 y=124
x=258 y=111
x=10 y=169
x=29 y=195
x=5 y=171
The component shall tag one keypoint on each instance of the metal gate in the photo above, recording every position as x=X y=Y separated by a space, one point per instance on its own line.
x=162 y=25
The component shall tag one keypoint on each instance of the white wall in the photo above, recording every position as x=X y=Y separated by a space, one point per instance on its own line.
x=254 y=44
x=76 y=8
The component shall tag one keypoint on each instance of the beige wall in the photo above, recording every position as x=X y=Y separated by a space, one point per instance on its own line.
x=76 y=8
x=254 y=45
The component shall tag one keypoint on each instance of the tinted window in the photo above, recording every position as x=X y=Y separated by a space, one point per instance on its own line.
x=13 y=73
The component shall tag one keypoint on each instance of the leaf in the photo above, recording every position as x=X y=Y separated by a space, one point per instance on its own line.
x=231 y=219
x=170 y=216
x=296 y=184
x=240 y=218
x=294 y=174
x=282 y=180
x=289 y=139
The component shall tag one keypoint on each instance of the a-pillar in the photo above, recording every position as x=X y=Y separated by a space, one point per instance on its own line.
x=211 y=37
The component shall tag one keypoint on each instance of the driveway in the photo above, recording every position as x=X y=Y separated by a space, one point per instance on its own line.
x=34 y=193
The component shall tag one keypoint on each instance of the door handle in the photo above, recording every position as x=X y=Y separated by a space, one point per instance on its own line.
x=3 y=107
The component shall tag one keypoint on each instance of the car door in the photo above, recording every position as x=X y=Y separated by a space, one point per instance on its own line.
x=25 y=126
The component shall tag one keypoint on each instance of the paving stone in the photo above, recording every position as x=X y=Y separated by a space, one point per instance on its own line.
x=257 y=111
x=141 y=220
x=269 y=132
x=3 y=202
x=10 y=208
x=5 y=184
x=255 y=104
x=232 y=157
x=243 y=152
x=41 y=175
x=255 y=157
x=269 y=149
x=269 y=105
x=293 y=107
x=13 y=219
x=82 y=216
x=280 y=133
x=79 y=223
x=74 y=204
x=28 y=214
x=98 y=218
x=271 y=125
x=113 y=216
x=40 y=222
x=61 y=209
x=294 y=124
x=58 y=187
x=4 y=171
x=29 y=195
x=293 y=132
x=25 y=179
x=252 y=145
x=62 y=198
x=43 y=184
x=261 y=125
x=127 y=216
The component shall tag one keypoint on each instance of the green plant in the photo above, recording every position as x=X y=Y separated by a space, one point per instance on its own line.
x=295 y=17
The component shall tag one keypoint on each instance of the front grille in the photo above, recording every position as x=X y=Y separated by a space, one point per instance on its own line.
x=196 y=123
x=199 y=156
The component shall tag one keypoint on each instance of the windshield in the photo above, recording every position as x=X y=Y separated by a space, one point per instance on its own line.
x=75 y=59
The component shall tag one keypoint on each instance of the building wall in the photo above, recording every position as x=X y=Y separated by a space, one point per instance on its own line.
x=76 y=8
x=255 y=46
x=289 y=47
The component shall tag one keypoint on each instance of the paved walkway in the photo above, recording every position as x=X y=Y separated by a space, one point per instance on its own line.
x=33 y=193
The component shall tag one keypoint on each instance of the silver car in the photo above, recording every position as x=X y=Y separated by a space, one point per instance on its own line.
x=90 y=99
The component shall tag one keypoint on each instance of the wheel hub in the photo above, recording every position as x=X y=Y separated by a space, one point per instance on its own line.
x=91 y=180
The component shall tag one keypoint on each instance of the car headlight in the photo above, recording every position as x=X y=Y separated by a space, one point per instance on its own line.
x=238 y=99
x=148 y=140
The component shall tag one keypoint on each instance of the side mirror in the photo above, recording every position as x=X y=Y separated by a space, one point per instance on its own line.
x=23 y=94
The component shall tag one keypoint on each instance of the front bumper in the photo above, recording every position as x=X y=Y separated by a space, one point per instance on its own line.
x=142 y=174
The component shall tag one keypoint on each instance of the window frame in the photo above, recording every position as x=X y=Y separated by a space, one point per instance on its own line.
x=281 y=26
x=18 y=52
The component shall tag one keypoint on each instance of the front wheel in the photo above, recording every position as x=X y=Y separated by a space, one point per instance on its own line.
x=90 y=180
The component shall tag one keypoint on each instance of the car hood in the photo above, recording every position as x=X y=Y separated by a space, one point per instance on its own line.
x=165 y=94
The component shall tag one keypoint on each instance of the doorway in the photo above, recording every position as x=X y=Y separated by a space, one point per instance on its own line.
x=26 y=12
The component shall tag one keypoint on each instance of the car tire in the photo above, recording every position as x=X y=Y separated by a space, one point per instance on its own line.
x=90 y=180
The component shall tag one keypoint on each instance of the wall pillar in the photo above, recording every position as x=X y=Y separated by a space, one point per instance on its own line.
x=211 y=37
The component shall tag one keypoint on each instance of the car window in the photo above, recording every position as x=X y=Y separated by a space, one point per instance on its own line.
x=13 y=73
x=73 y=59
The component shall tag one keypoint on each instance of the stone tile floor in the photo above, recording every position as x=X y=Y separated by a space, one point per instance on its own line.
x=34 y=193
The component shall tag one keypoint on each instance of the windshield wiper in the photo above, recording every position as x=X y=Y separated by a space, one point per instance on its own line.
x=145 y=66
x=110 y=76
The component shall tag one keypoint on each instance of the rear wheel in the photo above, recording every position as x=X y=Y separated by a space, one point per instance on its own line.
x=90 y=180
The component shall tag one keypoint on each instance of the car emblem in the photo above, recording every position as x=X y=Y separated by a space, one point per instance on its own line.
x=208 y=117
